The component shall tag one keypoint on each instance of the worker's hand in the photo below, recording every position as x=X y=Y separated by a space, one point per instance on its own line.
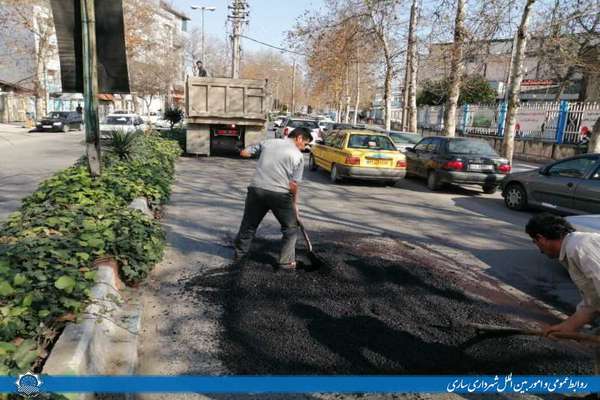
x=294 y=189
x=564 y=327
x=245 y=153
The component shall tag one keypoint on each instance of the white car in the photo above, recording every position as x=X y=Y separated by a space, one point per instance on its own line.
x=122 y=122
x=290 y=124
x=585 y=223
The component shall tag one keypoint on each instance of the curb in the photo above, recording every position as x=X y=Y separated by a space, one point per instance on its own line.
x=105 y=340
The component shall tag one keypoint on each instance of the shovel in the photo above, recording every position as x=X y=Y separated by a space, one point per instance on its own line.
x=485 y=332
x=316 y=261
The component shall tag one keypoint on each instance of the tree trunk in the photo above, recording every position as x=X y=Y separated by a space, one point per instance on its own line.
x=514 y=87
x=594 y=144
x=405 y=95
x=412 y=70
x=456 y=70
x=356 y=104
x=387 y=97
x=347 y=114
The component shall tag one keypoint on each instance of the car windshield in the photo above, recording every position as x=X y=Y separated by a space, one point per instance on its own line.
x=303 y=124
x=470 y=146
x=371 y=142
x=57 y=115
x=118 y=120
x=405 y=138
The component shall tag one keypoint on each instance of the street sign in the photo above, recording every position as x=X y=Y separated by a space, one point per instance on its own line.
x=113 y=76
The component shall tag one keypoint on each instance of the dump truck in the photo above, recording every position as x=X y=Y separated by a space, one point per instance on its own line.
x=225 y=115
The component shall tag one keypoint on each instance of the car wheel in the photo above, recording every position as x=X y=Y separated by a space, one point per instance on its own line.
x=312 y=165
x=515 y=197
x=490 y=189
x=65 y=128
x=334 y=176
x=433 y=181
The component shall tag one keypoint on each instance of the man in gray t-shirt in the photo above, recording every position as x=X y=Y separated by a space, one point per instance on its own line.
x=274 y=188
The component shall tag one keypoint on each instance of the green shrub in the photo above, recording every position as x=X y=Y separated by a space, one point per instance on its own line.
x=174 y=115
x=46 y=248
x=178 y=134
x=121 y=143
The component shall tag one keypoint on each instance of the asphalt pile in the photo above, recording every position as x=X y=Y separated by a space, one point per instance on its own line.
x=363 y=314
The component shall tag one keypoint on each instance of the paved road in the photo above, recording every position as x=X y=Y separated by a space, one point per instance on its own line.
x=180 y=336
x=28 y=158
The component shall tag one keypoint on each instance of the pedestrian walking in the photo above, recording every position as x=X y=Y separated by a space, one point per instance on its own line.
x=274 y=188
x=579 y=252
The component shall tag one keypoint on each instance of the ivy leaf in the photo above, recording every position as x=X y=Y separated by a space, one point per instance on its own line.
x=43 y=313
x=90 y=275
x=27 y=300
x=65 y=283
x=5 y=289
x=19 y=279
x=83 y=256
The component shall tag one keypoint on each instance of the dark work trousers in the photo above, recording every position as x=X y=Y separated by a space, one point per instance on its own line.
x=258 y=203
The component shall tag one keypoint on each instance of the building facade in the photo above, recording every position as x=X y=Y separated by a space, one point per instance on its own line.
x=492 y=60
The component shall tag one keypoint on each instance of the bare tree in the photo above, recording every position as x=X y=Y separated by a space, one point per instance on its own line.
x=514 y=86
x=456 y=70
x=26 y=30
x=569 y=43
x=411 y=83
x=216 y=58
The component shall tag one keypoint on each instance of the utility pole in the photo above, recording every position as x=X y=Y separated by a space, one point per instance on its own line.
x=90 y=86
x=293 y=88
x=237 y=17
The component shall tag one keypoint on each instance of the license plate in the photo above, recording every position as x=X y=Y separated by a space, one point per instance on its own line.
x=46 y=126
x=378 y=161
x=480 y=167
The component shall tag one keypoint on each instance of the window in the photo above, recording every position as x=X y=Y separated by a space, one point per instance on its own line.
x=422 y=146
x=596 y=175
x=470 y=146
x=404 y=138
x=576 y=168
x=434 y=145
x=184 y=25
x=298 y=123
x=370 y=142
x=335 y=140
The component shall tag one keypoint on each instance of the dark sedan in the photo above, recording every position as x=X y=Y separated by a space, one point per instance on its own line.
x=444 y=160
x=60 y=121
x=569 y=186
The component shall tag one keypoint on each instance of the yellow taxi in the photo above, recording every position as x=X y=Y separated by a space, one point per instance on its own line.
x=359 y=154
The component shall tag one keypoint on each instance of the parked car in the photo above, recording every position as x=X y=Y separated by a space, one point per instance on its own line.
x=123 y=122
x=443 y=160
x=60 y=121
x=325 y=126
x=402 y=140
x=358 y=154
x=292 y=123
x=569 y=186
x=585 y=223
x=150 y=118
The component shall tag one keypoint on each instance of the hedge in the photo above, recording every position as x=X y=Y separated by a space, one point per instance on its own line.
x=48 y=246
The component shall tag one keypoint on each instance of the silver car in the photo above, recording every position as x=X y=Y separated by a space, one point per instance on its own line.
x=569 y=186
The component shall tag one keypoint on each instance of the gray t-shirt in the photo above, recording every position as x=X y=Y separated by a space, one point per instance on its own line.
x=280 y=163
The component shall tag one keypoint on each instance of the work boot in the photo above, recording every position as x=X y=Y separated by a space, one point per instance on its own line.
x=288 y=267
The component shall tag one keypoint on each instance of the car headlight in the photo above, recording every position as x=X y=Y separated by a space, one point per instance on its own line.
x=57 y=124
x=38 y=124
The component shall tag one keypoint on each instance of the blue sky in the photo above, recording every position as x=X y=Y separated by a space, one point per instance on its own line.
x=269 y=19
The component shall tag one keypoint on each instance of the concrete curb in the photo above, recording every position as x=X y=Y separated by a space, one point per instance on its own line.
x=105 y=340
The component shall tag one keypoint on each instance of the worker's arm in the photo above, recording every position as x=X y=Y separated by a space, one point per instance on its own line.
x=251 y=151
x=583 y=315
x=294 y=190
x=296 y=179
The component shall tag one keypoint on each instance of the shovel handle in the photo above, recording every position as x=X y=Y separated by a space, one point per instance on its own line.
x=301 y=225
x=580 y=337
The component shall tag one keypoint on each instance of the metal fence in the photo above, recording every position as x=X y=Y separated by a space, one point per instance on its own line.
x=560 y=122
